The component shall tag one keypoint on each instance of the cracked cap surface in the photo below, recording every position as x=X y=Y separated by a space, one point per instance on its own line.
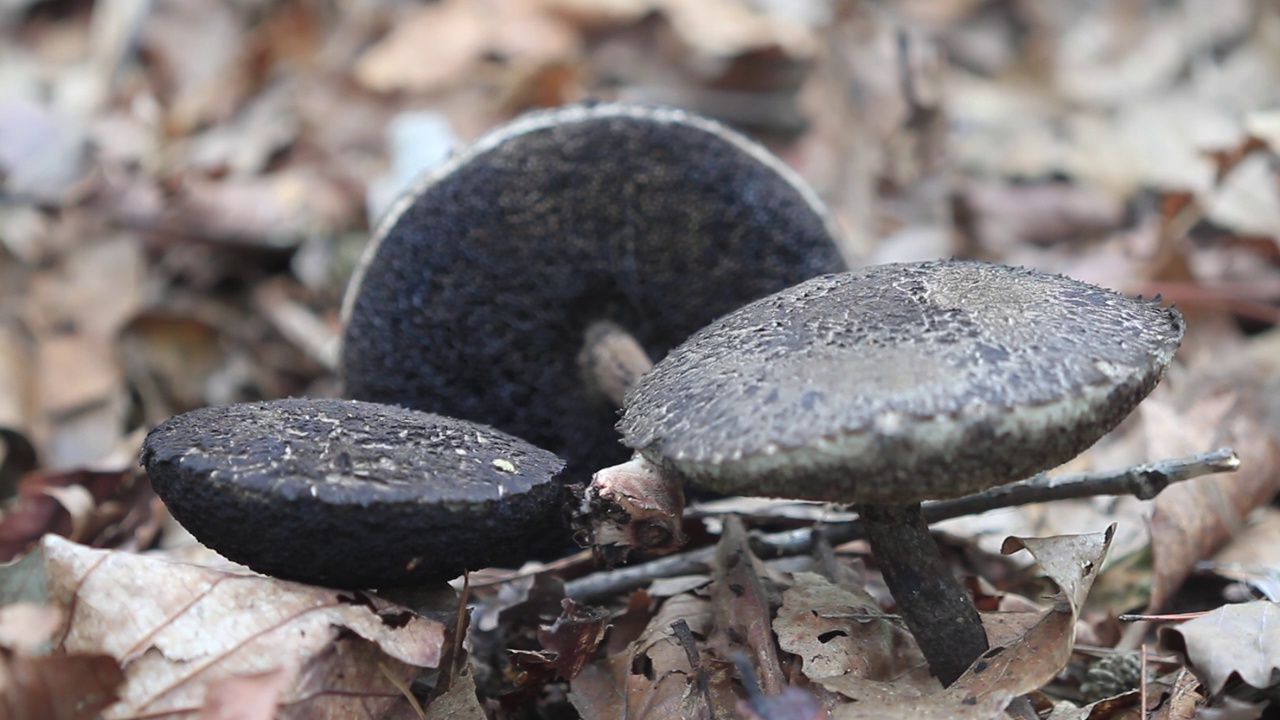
x=900 y=383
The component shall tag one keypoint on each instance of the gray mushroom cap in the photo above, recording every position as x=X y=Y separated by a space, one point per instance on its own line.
x=353 y=494
x=900 y=383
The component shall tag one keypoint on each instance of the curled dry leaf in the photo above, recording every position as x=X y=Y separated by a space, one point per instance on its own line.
x=1003 y=672
x=63 y=503
x=741 y=608
x=573 y=637
x=178 y=628
x=1241 y=640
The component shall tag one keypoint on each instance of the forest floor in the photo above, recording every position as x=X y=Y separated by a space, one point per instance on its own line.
x=185 y=187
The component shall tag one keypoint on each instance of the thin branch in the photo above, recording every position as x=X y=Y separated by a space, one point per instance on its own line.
x=1141 y=481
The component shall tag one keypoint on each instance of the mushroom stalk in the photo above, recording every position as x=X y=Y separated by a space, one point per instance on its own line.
x=612 y=360
x=632 y=506
x=934 y=605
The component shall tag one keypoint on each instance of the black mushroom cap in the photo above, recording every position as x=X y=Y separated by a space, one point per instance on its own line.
x=352 y=494
x=476 y=290
x=900 y=383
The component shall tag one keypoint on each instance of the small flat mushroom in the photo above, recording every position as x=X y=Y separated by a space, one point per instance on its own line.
x=483 y=292
x=895 y=384
x=352 y=494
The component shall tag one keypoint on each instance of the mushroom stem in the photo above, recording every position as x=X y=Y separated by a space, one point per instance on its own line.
x=935 y=606
x=612 y=360
x=632 y=506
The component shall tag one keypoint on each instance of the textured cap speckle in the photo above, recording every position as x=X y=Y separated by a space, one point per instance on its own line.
x=353 y=494
x=476 y=290
x=900 y=383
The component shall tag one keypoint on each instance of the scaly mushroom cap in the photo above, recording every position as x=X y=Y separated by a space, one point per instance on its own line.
x=900 y=383
x=476 y=290
x=352 y=494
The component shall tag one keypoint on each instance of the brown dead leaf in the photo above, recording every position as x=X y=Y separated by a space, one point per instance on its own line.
x=431 y=50
x=600 y=13
x=1247 y=201
x=596 y=693
x=245 y=697
x=38 y=510
x=18 y=410
x=1171 y=697
x=92 y=291
x=177 y=628
x=1184 y=698
x=244 y=147
x=652 y=678
x=298 y=323
x=725 y=28
x=1253 y=554
x=741 y=606
x=1007 y=215
x=57 y=687
x=458 y=702
x=170 y=359
x=841 y=632
x=439 y=46
x=76 y=372
x=275 y=210
x=28 y=628
x=1234 y=640
x=573 y=637
x=196 y=48
x=1194 y=518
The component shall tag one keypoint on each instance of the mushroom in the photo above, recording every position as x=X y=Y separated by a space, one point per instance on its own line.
x=352 y=494
x=580 y=240
x=891 y=385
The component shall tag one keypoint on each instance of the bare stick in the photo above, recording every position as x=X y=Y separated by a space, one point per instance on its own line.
x=1142 y=481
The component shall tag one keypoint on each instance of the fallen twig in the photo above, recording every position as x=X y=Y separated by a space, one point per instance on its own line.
x=1142 y=481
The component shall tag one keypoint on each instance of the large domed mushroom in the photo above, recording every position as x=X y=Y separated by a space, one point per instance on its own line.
x=352 y=494
x=483 y=288
x=891 y=385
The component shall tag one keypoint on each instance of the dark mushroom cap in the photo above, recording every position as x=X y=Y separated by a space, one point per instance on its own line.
x=352 y=494
x=476 y=289
x=899 y=383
